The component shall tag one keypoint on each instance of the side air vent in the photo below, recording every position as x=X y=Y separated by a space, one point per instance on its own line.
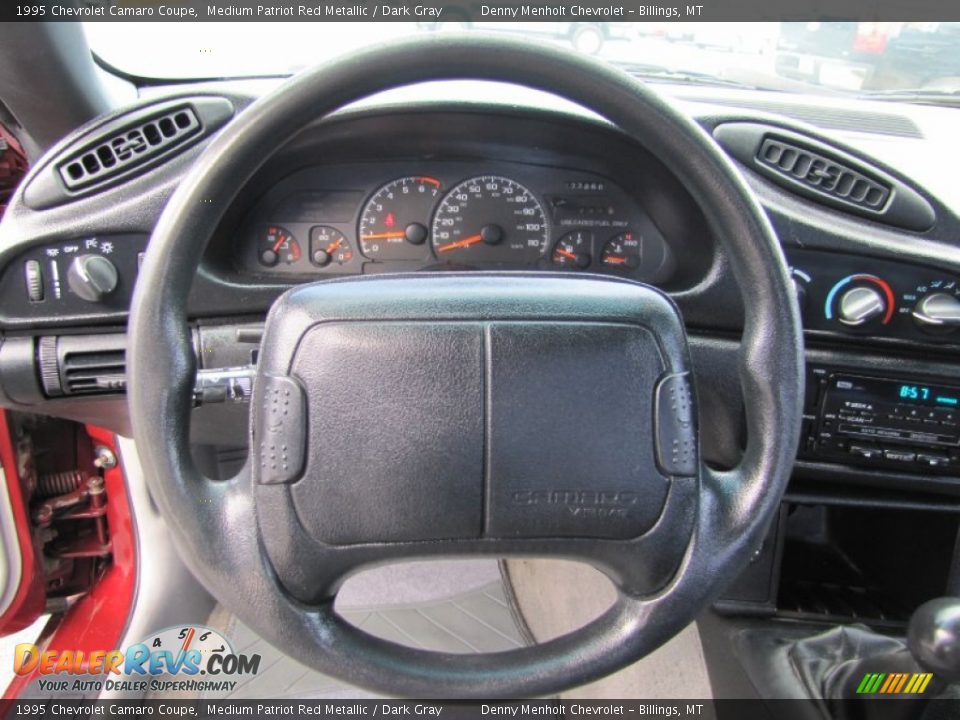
x=82 y=364
x=822 y=174
x=130 y=147
x=825 y=174
x=124 y=147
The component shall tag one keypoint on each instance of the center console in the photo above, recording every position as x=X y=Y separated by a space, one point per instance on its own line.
x=870 y=526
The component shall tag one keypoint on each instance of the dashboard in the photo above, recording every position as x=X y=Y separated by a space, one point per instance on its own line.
x=454 y=187
x=409 y=216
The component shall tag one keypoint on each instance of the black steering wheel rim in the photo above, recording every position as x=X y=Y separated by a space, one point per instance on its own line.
x=214 y=524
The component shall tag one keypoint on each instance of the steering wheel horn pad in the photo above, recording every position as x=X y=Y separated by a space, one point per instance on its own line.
x=273 y=543
x=464 y=414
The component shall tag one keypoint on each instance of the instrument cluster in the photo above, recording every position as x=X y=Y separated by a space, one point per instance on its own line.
x=456 y=215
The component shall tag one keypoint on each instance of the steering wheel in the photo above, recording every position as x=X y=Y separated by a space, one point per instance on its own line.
x=449 y=386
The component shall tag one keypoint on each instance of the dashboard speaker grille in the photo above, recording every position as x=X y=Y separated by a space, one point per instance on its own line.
x=823 y=174
x=128 y=148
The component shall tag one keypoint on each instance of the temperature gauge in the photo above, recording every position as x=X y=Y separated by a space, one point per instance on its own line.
x=623 y=251
x=278 y=245
x=329 y=245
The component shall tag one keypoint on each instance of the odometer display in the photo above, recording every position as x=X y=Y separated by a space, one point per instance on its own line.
x=490 y=219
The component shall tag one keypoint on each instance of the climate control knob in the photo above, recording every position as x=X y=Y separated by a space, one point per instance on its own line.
x=937 y=310
x=859 y=305
x=92 y=277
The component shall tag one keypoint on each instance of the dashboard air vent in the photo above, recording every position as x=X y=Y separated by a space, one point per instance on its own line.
x=130 y=147
x=124 y=146
x=82 y=364
x=822 y=174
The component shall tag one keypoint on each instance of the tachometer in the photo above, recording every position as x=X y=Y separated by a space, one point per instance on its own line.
x=393 y=224
x=490 y=219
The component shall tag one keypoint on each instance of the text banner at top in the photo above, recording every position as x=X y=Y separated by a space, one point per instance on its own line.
x=469 y=12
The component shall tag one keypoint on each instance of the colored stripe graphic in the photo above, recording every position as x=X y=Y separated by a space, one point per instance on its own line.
x=891 y=680
x=871 y=683
x=913 y=683
x=894 y=683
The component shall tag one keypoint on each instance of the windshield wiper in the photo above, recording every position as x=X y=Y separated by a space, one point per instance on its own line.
x=945 y=98
x=659 y=73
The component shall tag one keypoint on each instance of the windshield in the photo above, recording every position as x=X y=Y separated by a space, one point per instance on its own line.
x=901 y=59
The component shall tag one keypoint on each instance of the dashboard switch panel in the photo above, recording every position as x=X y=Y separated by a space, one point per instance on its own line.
x=72 y=279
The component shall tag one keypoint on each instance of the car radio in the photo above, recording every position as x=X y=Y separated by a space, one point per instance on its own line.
x=868 y=420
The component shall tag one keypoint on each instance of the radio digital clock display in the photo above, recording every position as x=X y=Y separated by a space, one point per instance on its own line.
x=928 y=395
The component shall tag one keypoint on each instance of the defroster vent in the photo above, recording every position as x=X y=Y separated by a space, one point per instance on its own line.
x=823 y=174
x=130 y=147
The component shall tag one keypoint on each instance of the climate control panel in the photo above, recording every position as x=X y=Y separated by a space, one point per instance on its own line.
x=875 y=298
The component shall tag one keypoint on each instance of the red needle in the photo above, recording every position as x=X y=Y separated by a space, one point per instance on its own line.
x=615 y=259
x=567 y=254
x=466 y=242
x=281 y=239
x=334 y=246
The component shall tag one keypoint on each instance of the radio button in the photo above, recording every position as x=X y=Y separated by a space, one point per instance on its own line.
x=933 y=459
x=899 y=455
x=865 y=452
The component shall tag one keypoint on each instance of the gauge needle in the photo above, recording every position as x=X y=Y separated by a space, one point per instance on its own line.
x=615 y=259
x=281 y=239
x=334 y=246
x=384 y=235
x=188 y=640
x=567 y=254
x=466 y=242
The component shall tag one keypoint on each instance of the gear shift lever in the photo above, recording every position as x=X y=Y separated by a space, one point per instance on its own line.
x=933 y=637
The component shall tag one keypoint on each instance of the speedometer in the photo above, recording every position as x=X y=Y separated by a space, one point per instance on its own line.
x=490 y=219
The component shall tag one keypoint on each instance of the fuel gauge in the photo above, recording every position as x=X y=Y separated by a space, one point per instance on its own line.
x=572 y=250
x=278 y=245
